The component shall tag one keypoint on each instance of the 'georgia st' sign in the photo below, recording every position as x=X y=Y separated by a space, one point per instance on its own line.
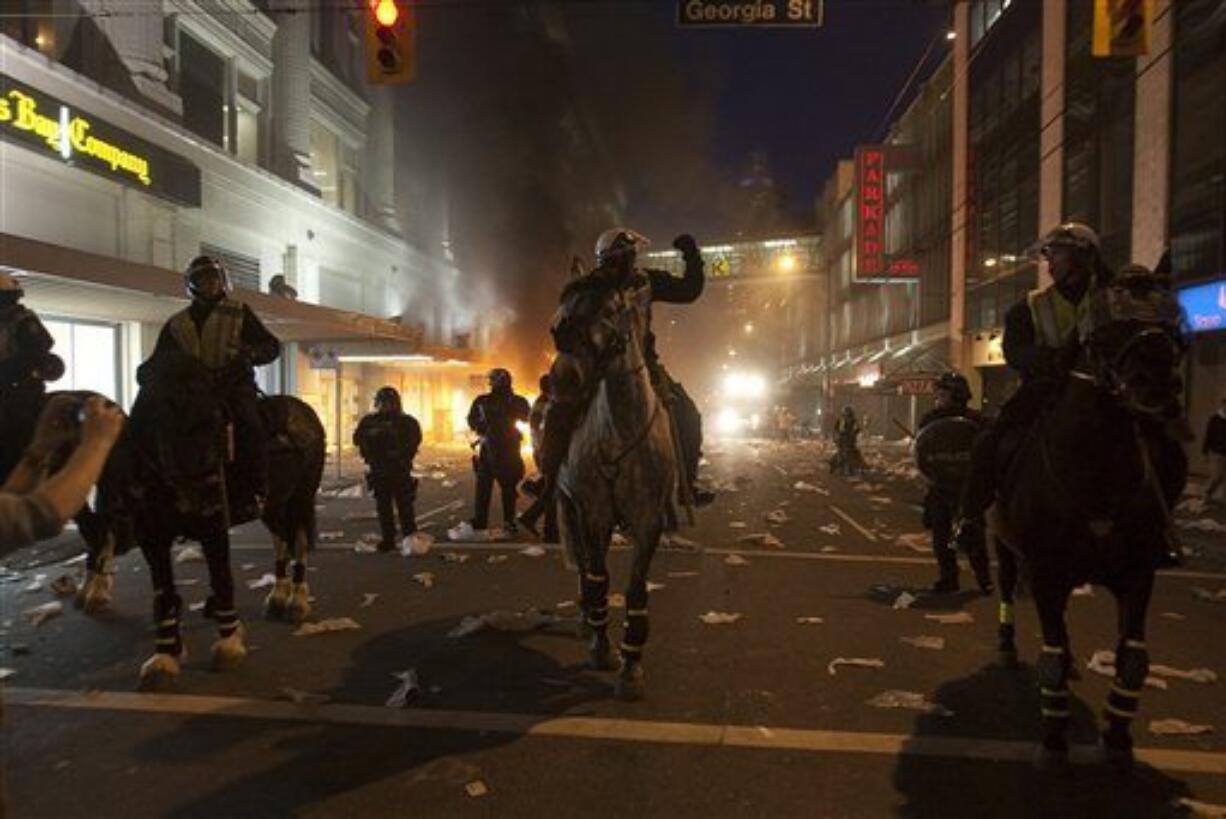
x=754 y=13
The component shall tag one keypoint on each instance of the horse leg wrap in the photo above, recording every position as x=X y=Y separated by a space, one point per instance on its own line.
x=635 y=627
x=595 y=594
x=1131 y=668
x=1052 y=673
x=167 y=607
x=227 y=620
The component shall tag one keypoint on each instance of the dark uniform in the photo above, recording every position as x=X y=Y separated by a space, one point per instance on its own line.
x=562 y=417
x=546 y=503
x=493 y=416
x=228 y=338
x=26 y=364
x=388 y=440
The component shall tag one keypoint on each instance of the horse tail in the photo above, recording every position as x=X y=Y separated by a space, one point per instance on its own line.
x=308 y=433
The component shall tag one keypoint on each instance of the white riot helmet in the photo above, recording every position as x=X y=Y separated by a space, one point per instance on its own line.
x=619 y=241
x=1070 y=234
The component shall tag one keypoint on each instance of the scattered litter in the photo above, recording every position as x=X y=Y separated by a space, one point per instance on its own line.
x=738 y=524
x=334 y=534
x=35 y=585
x=616 y=601
x=5 y=673
x=957 y=618
x=566 y=604
x=904 y=600
x=828 y=549
x=1204 y=676
x=777 y=516
x=909 y=700
x=190 y=554
x=1177 y=727
x=367 y=599
x=1203 y=525
x=855 y=662
x=425 y=578
x=1102 y=662
x=497 y=559
x=326 y=626
x=39 y=614
x=264 y=582
x=246 y=567
x=689 y=574
x=803 y=486
x=809 y=621
x=1201 y=810
x=448 y=484
x=533 y=551
x=880 y=499
x=454 y=557
x=303 y=697
x=675 y=541
x=1205 y=594
x=830 y=529
x=469 y=625
x=188 y=581
x=364 y=548
x=354 y=491
x=476 y=789
x=465 y=531
x=734 y=560
x=915 y=541
x=925 y=641
x=1084 y=591
x=1173 y=615
x=417 y=544
x=437 y=475
x=408 y=690
x=619 y=539
x=64 y=586
x=654 y=586
x=761 y=539
x=72 y=561
x=196 y=606
x=720 y=618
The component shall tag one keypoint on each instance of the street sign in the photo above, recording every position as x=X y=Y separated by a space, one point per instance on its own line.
x=750 y=13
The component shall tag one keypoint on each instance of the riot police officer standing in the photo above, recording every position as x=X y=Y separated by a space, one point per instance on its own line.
x=493 y=416
x=943 y=445
x=388 y=439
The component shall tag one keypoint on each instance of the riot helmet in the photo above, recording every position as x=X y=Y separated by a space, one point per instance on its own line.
x=956 y=386
x=387 y=399
x=10 y=289
x=500 y=379
x=618 y=246
x=1073 y=253
x=206 y=279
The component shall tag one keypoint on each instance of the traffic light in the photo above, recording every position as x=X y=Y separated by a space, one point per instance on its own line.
x=391 y=42
x=1121 y=27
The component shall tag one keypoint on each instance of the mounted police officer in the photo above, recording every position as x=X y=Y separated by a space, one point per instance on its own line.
x=943 y=443
x=26 y=364
x=493 y=416
x=1037 y=331
x=388 y=439
x=616 y=255
x=225 y=335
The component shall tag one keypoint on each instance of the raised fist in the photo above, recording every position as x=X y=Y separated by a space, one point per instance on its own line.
x=686 y=244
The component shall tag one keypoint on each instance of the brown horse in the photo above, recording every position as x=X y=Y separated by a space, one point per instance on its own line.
x=1087 y=498
x=621 y=468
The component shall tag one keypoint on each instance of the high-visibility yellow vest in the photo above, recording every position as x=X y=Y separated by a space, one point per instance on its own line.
x=1054 y=316
x=218 y=341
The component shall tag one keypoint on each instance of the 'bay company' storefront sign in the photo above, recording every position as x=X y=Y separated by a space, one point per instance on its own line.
x=755 y=13
x=39 y=121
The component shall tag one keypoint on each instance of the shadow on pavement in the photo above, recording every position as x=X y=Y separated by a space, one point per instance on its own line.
x=309 y=764
x=1004 y=704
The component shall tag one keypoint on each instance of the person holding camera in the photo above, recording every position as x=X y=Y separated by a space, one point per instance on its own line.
x=388 y=439
x=34 y=506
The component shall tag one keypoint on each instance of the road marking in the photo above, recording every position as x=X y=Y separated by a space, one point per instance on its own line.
x=599 y=728
x=867 y=534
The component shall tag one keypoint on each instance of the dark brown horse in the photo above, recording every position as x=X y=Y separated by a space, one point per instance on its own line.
x=1086 y=499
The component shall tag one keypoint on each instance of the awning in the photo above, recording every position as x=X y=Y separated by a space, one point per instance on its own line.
x=73 y=283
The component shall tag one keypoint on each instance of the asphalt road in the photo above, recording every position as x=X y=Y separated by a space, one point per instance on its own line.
x=741 y=719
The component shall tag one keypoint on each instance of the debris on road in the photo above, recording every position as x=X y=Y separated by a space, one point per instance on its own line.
x=761 y=539
x=672 y=540
x=533 y=551
x=956 y=618
x=417 y=544
x=687 y=574
x=64 y=586
x=777 y=516
x=909 y=700
x=326 y=626
x=616 y=601
x=5 y=673
x=618 y=539
x=925 y=641
x=497 y=559
x=1213 y=597
x=367 y=599
x=353 y=491
x=454 y=557
x=804 y=486
x=831 y=529
x=915 y=541
x=40 y=614
x=190 y=554
x=1173 y=615
x=720 y=618
x=809 y=621
x=1177 y=727
x=828 y=549
x=1102 y=662
x=904 y=600
x=566 y=604
x=35 y=585
x=364 y=548
x=654 y=586
x=425 y=579
x=303 y=697
x=263 y=582
x=464 y=531
x=738 y=524
x=1204 y=676
x=1200 y=810
x=855 y=662
x=880 y=499
x=334 y=534
x=198 y=606
x=476 y=789
x=72 y=561
x=527 y=620
x=408 y=690
x=448 y=484
x=734 y=560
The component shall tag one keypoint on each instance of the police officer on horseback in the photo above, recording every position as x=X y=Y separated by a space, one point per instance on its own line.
x=225 y=335
x=26 y=364
x=388 y=439
x=1037 y=331
x=933 y=439
x=616 y=255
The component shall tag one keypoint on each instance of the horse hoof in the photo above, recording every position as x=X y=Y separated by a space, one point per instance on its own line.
x=1052 y=759
x=160 y=672
x=95 y=596
x=631 y=685
x=299 y=606
x=600 y=656
x=1008 y=658
x=277 y=600
x=229 y=652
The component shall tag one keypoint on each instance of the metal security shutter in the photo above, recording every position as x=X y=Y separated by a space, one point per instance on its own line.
x=244 y=270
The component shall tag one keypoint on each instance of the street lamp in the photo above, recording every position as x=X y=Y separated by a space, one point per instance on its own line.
x=786 y=263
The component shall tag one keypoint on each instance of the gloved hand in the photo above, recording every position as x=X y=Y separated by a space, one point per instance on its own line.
x=58 y=426
x=686 y=244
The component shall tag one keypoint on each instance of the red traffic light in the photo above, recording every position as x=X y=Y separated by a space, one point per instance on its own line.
x=386 y=12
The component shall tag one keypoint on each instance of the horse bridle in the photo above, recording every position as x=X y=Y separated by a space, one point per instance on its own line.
x=1106 y=376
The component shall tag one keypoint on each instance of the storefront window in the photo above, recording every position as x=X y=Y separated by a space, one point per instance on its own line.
x=90 y=353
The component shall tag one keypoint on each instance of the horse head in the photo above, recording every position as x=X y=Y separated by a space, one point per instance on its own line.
x=598 y=330
x=1132 y=342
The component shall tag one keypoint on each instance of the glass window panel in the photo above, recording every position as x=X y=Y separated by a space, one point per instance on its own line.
x=93 y=366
